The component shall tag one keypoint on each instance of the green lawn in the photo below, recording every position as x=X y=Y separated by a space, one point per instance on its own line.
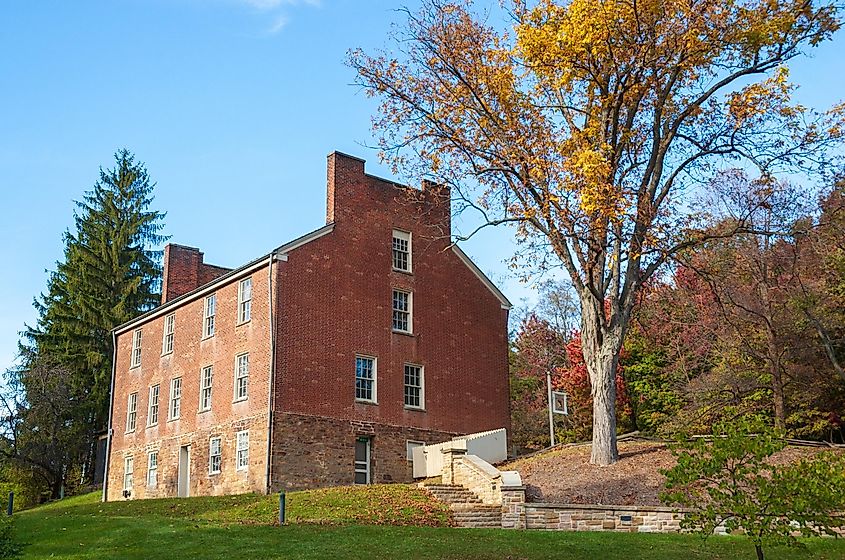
x=239 y=527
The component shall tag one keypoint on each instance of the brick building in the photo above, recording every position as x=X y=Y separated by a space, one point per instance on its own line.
x=323 y=362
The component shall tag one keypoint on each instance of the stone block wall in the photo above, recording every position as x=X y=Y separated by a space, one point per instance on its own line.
x=625 y=519
x=480 y=477
x=315 y=451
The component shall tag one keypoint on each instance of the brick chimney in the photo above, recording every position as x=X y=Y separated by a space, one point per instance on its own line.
x=343 y=172
x=351 y=192
x=184 y=271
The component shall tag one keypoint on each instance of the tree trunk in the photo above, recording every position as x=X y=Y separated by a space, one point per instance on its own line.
x=777 y=379
x=759 y=550
x=603 y=391
x=601 y=356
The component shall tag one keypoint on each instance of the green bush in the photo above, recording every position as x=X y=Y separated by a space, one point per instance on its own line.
x=728 y=480
x=9 y=547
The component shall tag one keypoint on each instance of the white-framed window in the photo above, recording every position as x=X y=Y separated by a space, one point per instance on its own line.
x=136 y=348
x=365 y=378
x=241 y=377
x=402 y=308
x=414 y=386
x=169 y=329
x=401 y=250
x=215 y=455
x=152 y=469
x=242 y=450
x=175 y=398
x=209 y=311
x=206 y=378
x=244 y=300
x=131 y=412
x=128 y=471
x=152 y=407
x=410 y=445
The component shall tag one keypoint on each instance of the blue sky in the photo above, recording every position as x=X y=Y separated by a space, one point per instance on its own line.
x=232 y=104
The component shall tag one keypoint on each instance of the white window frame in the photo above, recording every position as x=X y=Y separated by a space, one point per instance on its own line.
x=206 y=373
x=169 y=331
x=241 y=378
x=152 y=469
x=421 y=387
x=209 y=312
x=410 y=445
x=131 y=412
x=409 y=312
x=212 y=455
x=128 y=472
x=374 y=380
x=245 y=300
x=242 y=450
x=399 y=235
x=136 y=348
x=152 y=404
x=174 y=409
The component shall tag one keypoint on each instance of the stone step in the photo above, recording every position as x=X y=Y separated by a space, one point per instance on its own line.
x=487 y=508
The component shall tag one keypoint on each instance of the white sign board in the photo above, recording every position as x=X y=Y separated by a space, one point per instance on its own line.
x=560 y=403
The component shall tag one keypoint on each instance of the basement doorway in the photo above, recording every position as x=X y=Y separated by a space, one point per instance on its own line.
x=362 y=460
x=183 y=485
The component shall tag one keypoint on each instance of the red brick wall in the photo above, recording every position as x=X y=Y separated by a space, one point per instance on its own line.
x=184 y=271
x=190 y=354
x=332 y=300
x=335 y=301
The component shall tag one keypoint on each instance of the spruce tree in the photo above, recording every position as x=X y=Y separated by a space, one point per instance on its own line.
x=110 y=274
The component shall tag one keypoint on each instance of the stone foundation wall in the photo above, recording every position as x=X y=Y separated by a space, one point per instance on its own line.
x=315 y=451
x=228 y=481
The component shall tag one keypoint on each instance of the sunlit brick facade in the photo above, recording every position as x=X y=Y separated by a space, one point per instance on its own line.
x=363 y=337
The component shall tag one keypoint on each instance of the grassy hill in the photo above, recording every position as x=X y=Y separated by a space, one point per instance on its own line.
x=350 y=523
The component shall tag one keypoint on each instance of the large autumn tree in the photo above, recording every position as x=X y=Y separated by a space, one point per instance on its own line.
x=589 y=125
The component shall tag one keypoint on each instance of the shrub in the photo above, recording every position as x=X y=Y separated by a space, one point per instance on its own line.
x=728 y=480
x=9 y=547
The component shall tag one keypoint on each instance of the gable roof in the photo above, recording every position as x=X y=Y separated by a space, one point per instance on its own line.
x=506 y=304
x=231 y=275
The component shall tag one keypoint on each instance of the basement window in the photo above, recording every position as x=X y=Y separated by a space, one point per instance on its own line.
x=410 y=445
x=131 y=412
x=206 y=378
x=242 y=450
x=402 y=306
x=152 y=469
x=365 y=379
x=244 y=300
x=169 y=329
x=215 y=455
x=401 y=251
x=136 y=348
x=128 y=468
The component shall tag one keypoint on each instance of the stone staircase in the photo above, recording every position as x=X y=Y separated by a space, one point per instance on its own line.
x=467 y=508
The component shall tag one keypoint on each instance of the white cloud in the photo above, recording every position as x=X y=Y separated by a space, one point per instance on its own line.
x=273 y=4
x=279 y=10
x=279 y=24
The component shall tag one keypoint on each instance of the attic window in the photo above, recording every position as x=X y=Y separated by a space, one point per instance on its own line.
x=401 y=251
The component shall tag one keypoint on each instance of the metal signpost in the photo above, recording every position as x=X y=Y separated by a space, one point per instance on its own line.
x=558 y=404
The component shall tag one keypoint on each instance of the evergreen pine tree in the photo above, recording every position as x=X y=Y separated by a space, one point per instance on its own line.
x=110 y=274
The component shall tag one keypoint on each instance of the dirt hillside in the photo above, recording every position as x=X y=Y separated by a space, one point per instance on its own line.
x=566 y=475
